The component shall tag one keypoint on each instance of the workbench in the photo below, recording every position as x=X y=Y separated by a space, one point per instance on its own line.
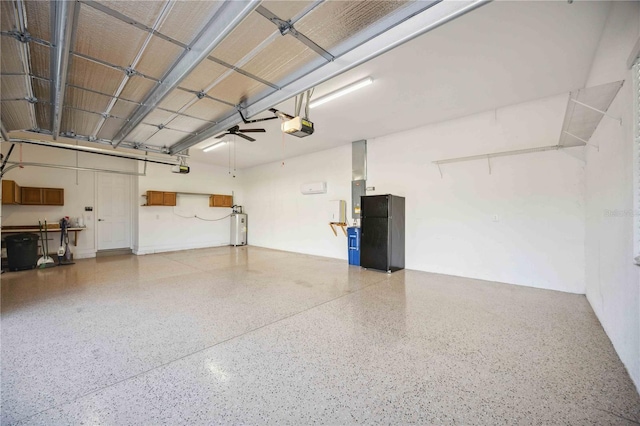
x=35 y=230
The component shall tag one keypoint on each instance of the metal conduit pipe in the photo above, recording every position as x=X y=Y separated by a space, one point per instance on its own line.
x=15 y=164
x=98 y=151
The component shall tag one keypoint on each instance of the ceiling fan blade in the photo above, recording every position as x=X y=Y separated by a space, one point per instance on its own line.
x=252 y=130
x=245 y=137
x=222 y=135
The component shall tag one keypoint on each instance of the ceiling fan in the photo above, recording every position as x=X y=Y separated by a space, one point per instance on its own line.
x=236 y=130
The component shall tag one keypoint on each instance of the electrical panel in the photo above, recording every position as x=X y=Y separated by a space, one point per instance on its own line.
x=358 y=189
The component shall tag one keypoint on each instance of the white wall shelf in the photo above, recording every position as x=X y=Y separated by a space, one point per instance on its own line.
x=585 y=110
x=491 y=155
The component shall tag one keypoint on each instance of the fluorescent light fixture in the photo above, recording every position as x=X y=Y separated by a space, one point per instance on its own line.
x=214 y=146
x=341 y=92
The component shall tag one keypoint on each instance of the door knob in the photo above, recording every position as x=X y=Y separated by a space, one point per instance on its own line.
x=100 y=220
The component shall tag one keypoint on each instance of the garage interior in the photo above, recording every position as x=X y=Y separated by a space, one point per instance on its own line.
x=509 y=130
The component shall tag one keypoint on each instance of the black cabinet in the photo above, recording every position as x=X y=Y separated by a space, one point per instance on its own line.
x=382 y=244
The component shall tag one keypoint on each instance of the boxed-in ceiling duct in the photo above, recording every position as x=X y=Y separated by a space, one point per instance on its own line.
x=358 y=175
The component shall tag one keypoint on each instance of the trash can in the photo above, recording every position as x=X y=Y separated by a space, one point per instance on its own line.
x=353 y=237
x=22 y=251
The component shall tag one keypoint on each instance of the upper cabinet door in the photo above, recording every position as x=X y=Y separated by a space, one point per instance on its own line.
x=219 y=200
x=53 y=196
x=31 y=196
x=10 y=192
x=13 y=194
x=169 y=199
x=155 y=198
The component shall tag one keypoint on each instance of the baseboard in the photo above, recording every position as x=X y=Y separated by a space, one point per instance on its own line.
x=84 y=254
x=142 y=250
x=113 y=252
x=307 y=253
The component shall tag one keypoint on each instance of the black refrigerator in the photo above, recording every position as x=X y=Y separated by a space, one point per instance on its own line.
x=382 y=243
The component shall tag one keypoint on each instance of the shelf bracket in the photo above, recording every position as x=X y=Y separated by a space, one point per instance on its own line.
x=575 y=101
x=341 y=225
x=489 y=163
x=582 y=140
x=440 y=170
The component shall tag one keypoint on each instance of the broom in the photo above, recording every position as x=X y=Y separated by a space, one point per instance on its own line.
x=45 y=261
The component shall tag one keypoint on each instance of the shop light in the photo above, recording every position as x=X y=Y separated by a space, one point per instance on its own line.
x=214 y=146
x=341 y=92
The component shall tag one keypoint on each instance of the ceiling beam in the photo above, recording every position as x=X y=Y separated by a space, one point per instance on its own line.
x=21 y=164
x=286 y=27
x=25 y=53
x=98 y=151
x=230 y=14
x=126 y=144
x=410 y=22
x=64 y=13
x=3 y=132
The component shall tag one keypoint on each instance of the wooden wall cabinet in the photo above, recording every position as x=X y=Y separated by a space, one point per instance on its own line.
x=155 y=198
x=169 y=198
x=11 y=193
x=52 y=196
x=161 y=198
x=219 y=200
x=42 y=196
x=31 y=196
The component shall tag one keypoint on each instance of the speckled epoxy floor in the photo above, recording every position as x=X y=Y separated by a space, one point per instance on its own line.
x=256 y=336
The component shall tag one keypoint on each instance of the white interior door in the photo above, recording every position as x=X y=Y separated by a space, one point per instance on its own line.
x=114 y=211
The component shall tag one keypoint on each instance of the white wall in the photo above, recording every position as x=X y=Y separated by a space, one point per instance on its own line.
x=538 y=239
x=76 y=196
x=281 y=217
x=155 y=229
x=163 y=229
x=613 y=283
x=521 y=224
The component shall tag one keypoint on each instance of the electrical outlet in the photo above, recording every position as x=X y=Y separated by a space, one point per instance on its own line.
x=157 y=217
x=496 y=218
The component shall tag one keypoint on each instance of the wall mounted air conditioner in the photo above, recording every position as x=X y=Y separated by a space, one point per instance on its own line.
x=314 y=188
